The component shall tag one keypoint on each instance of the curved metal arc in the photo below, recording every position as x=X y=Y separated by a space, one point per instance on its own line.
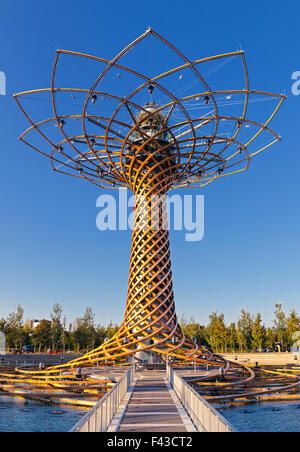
x=55 y=149
x=92 y=89
x=257 y=92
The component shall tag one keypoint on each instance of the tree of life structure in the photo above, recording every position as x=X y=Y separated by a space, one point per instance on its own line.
x=116 y=140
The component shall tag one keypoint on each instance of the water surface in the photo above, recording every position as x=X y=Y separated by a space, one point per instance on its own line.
x=265 y=417
x=17 y=415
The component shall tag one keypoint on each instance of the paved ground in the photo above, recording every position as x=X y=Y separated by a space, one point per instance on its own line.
x=197 y=373
x=274 y=359
x=48 y=360
x=151 y=406
x=113 y=373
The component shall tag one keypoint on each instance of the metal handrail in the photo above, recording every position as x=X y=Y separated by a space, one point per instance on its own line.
x=100 y=416
x=204 y=416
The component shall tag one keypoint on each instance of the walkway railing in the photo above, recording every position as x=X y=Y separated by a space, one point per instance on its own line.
x=100 y=416
x=203 y=415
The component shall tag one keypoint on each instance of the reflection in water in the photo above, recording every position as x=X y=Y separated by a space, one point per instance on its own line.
x=17 y=415
x=265 y=417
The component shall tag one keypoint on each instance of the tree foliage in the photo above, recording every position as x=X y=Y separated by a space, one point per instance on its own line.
x=248 y=334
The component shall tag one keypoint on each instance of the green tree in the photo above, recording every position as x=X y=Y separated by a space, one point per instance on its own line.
x=258 y=333
x=100 y=335
x=111 y=330
x=56 y=326
x=84 y=333
x=280 y=326
x=42 y=336
x=232 y=337
x=244 y=331
x=217 y=333
x=80 y=336
x=88 y=324
x=292 y=325
x=194 y=331
x=270 y=338
x=14 y=329
x=3 y=324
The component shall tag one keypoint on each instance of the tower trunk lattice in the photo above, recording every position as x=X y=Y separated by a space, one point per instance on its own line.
x=150 y=310
x=150 y=321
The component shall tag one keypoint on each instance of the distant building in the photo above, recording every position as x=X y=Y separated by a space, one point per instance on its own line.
x=33 y=324
x=2 y=343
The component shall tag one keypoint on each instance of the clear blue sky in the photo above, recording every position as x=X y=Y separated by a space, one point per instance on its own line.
x=50 y=247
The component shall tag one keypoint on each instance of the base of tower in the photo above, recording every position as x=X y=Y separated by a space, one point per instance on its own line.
x=147 y=358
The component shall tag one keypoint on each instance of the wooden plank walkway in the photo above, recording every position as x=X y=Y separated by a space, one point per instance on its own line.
x=151 y=406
